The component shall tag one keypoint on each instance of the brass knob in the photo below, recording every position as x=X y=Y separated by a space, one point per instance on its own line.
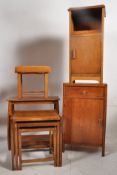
x=84 y=92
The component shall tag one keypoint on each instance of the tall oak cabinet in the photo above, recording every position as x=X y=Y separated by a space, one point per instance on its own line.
x=84 y=105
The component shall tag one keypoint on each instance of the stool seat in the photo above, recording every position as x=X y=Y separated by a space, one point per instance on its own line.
x=33 y=69
x=34 y=99
x=41 y=115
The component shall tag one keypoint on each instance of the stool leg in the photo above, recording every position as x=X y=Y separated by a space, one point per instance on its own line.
x=61 y=142
x=51 y=139
x=8 y=133
x=10 y=111
x=19 y=151
x=63 y=145
x=12 y=146
x=16 y=145
x=59 y=145
x=55 y=147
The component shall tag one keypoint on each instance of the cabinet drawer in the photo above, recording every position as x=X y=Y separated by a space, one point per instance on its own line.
x=82 y=91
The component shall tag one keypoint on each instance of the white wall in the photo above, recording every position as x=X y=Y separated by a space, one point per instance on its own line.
x=36 y=32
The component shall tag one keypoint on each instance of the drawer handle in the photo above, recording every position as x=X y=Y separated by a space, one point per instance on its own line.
x=84 y=92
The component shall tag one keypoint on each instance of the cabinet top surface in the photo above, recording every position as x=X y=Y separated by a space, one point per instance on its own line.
x=86 y=7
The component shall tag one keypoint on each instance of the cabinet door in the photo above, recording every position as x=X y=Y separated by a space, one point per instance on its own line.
x=86 y=54
x=87 y=116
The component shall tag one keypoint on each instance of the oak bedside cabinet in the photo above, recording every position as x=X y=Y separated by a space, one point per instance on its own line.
x=86 y=26
x=84 y=114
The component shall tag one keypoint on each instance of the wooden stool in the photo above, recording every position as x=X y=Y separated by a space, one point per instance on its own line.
x=30 y=141
x=43 y=121
x=32 y=97
x=32 y=121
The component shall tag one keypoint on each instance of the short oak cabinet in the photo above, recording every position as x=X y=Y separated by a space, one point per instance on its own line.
x=84 y=112
x=86 y=30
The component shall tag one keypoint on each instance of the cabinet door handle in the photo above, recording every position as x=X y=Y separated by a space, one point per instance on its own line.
x=74 y=54
x=100 y=122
